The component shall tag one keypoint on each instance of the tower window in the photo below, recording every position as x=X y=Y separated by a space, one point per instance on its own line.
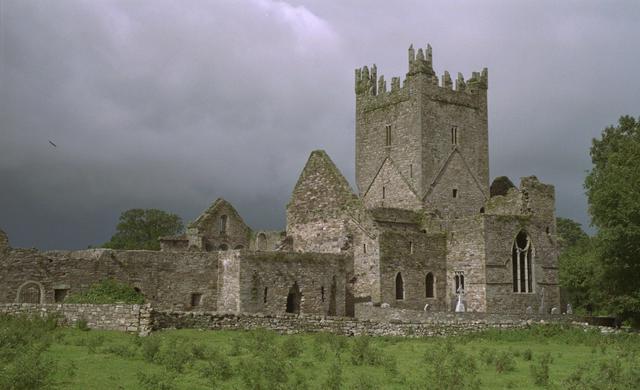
x=459 y=281
x=454 y=135
x=410 y=246
x=223 y=224
x=364 y=248
x=455 y=192
x=383 y=192
x=521 y=264
x=410 y=170
x=387 y=135
x=399 y=287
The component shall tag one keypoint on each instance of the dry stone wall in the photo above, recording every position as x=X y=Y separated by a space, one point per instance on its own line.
x=121 y=317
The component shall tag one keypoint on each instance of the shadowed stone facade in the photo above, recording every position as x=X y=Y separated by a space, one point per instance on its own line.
x=424 y=230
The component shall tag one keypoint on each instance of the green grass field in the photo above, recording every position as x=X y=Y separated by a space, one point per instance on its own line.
x=540 y=357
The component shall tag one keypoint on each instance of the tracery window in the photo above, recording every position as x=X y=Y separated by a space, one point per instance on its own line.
x=522 y=264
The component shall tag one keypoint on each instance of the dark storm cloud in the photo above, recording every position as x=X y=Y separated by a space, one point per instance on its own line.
x=171 y=104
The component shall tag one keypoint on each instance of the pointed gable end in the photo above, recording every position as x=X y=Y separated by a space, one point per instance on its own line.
x=390 y=189
x=321 y=192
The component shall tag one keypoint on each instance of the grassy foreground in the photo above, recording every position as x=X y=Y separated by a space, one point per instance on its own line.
x=36 y=354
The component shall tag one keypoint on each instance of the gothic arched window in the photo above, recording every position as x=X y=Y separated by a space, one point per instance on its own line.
x=521 y=262
x=429 y=283
x=399 y=286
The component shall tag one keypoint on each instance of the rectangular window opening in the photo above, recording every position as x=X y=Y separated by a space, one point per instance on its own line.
x=410 y=246
x=387 y=133
x=455 y=192
x=411 y=170
x=364 y=248
x=196 y=299
x=383 y=192
x=454 y=135
x=59 y=294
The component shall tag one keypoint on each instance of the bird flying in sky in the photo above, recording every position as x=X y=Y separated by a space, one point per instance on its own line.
x=54 y=145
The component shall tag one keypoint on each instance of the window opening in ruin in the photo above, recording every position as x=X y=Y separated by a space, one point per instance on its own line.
x=459 y=281
x=410 y=170
x=223 y=224
x=399 y=287
x=454 y=135
x=387 y=135
x=264 y=298
x=59 y=294
x=384 y=190
x=293 y=299
x=364 y=248
x=196 y=299
x=322 y=293
x=429 y=283
x=261 y=242
x=223 y=247
x=332 y=297
x=410 y=246
x=547 y=230
x=455 y=192
x=30 y=293
x=521 y=262
x=481 y=210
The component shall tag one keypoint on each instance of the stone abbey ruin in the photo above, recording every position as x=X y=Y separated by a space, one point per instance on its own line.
x=424 y=232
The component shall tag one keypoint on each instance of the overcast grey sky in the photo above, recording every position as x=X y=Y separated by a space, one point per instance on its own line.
x=171 y=104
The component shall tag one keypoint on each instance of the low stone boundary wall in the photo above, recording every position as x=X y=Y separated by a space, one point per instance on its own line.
x=337 y=325
x=380 y=322
x=367 y=311
x=128 y=318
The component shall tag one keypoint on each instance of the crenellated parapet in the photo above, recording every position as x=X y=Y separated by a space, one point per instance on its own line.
x=373 y=86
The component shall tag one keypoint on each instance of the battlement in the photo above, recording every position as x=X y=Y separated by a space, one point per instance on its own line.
x=367 y=82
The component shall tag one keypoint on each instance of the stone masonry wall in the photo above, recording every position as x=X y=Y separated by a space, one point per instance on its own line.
x=445 y=325
x=261 y=281
x=166 y=279
x=413 y=255
x=127 y=318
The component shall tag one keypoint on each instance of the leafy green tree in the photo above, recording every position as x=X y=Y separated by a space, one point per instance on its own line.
x=613 y=191
x=141 y=228
x=569 y=232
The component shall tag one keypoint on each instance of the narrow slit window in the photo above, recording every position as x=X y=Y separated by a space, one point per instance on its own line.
x=411 y=170
x=410 y=246
x=364 y=248
x=454 y=135
x=383 y=192
x=387 y=135
x=455 y=193
x=322 y=293
x=264 y=297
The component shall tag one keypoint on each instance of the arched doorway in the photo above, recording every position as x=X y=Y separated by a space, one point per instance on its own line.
x=293 y=299
x=30 y=292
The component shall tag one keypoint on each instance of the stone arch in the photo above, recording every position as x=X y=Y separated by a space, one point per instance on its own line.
x=261 y=242
x=238 y=247
x=294 y=298
x=223 y=247
x=522 y=263
x=429 y=285
x=30 y=292
x=399 y=287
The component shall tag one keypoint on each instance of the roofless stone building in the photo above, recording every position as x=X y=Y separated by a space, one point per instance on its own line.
x=425 y=226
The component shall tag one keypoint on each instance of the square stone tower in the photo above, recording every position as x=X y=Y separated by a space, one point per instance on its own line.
x=422 y=144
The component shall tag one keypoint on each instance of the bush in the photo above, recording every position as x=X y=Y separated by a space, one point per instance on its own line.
x=449 y=368
x=28 y=369
x=174 y=355
x=156 y=381
x=216 y=369
x=505 y=362
x=107 y=291
x=334 y=379
x=540 y=370
x=292 y=346
x=150 y=347
x=527 y=354
x=82 y=325
x=362 y=352
x=121 y=350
